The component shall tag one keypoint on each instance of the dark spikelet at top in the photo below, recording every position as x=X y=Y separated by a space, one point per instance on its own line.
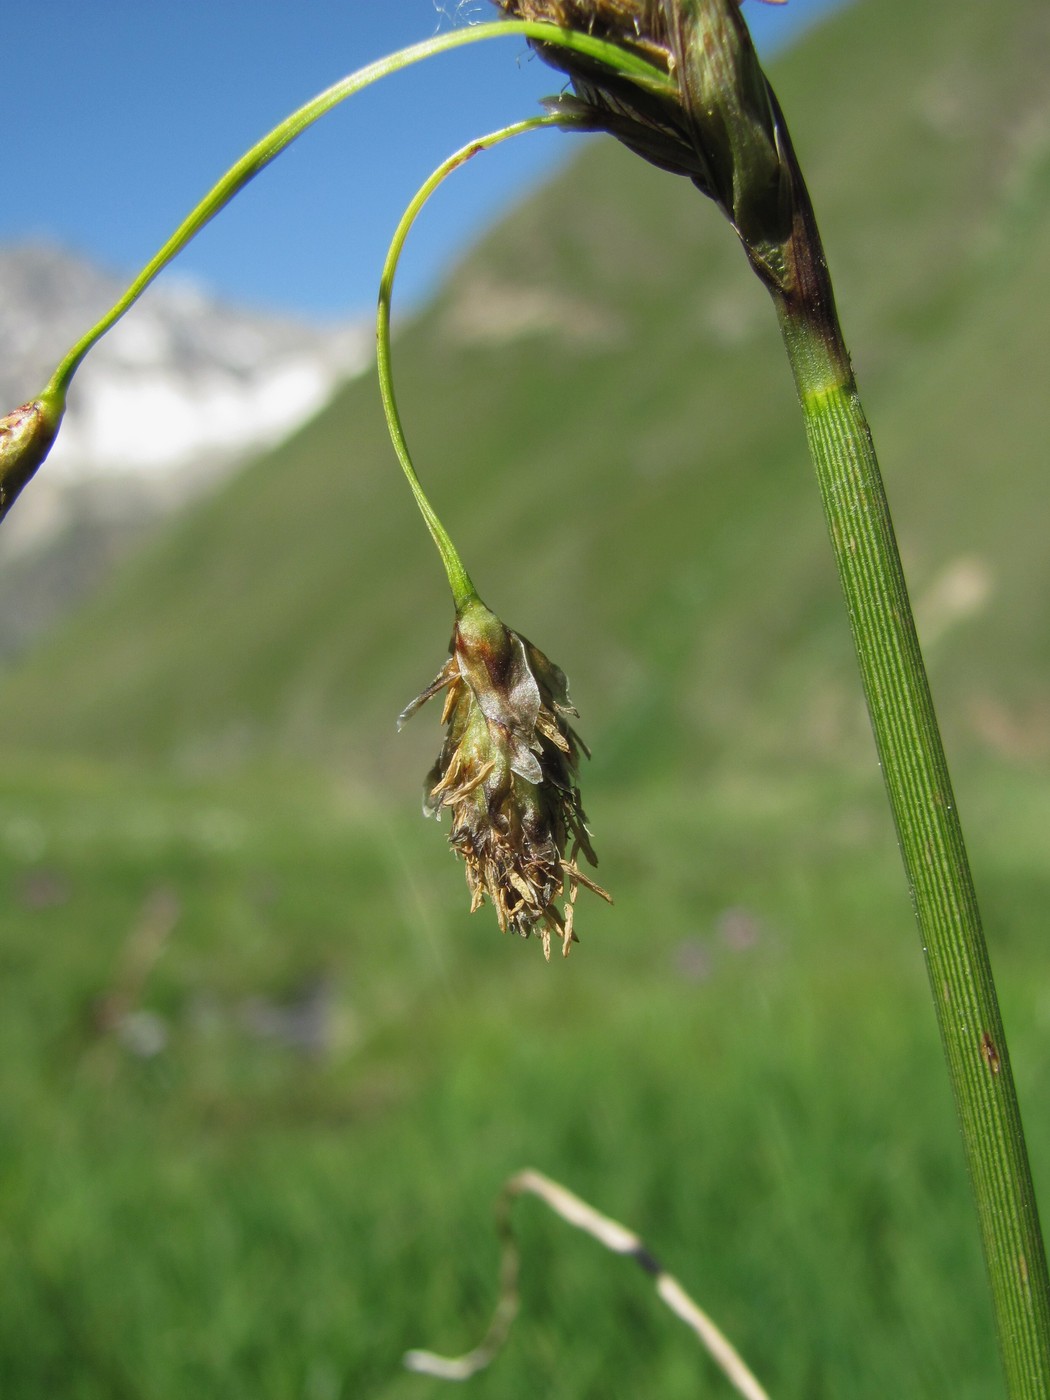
x=507 y=774
x=652 y=125
x=716 y=121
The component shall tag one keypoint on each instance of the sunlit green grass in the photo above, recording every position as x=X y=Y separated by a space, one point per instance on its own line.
x=739 y=1061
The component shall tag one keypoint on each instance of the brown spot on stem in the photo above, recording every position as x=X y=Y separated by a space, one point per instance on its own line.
x=1022 y=1269
x=989 y=1053
x=947 y=991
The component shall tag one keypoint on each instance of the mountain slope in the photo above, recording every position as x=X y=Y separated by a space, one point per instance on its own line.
x=600 y=406
x=168 y=403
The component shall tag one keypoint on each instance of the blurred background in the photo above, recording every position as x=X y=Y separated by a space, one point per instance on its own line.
x=262 y=1074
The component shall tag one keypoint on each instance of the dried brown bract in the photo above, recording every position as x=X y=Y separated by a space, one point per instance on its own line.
x=507 y=773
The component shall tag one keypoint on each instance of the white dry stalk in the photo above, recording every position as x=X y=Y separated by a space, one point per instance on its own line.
x=614 y=1237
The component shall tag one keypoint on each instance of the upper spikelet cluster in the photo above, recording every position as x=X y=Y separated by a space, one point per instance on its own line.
x=718 y=122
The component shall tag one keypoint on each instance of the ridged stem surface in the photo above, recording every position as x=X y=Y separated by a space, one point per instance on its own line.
x=931 y=843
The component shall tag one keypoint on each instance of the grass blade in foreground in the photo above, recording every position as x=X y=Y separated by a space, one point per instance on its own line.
x=613 y=1236
x=724 y=130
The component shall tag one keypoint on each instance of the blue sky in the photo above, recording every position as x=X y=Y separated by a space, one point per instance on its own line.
x=116 y=116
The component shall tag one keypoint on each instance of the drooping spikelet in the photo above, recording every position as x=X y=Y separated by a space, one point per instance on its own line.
x=507 y=774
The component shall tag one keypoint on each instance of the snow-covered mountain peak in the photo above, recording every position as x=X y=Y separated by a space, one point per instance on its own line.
x=169 y=402
x=183 y=383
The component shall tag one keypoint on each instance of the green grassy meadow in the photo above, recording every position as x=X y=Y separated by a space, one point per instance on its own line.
x=739 y=1061
x=262 y=1075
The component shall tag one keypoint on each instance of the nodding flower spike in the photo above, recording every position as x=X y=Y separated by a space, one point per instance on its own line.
x=507 y=774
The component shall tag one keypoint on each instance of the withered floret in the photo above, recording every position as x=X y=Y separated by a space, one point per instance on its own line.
x=507 y=774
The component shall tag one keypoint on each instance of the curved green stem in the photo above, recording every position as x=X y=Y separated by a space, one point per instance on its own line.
x=463 y=590
x=263 y=152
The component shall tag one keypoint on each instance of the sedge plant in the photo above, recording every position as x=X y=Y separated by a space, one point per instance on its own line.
x=678 y=82
x=724 y=130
